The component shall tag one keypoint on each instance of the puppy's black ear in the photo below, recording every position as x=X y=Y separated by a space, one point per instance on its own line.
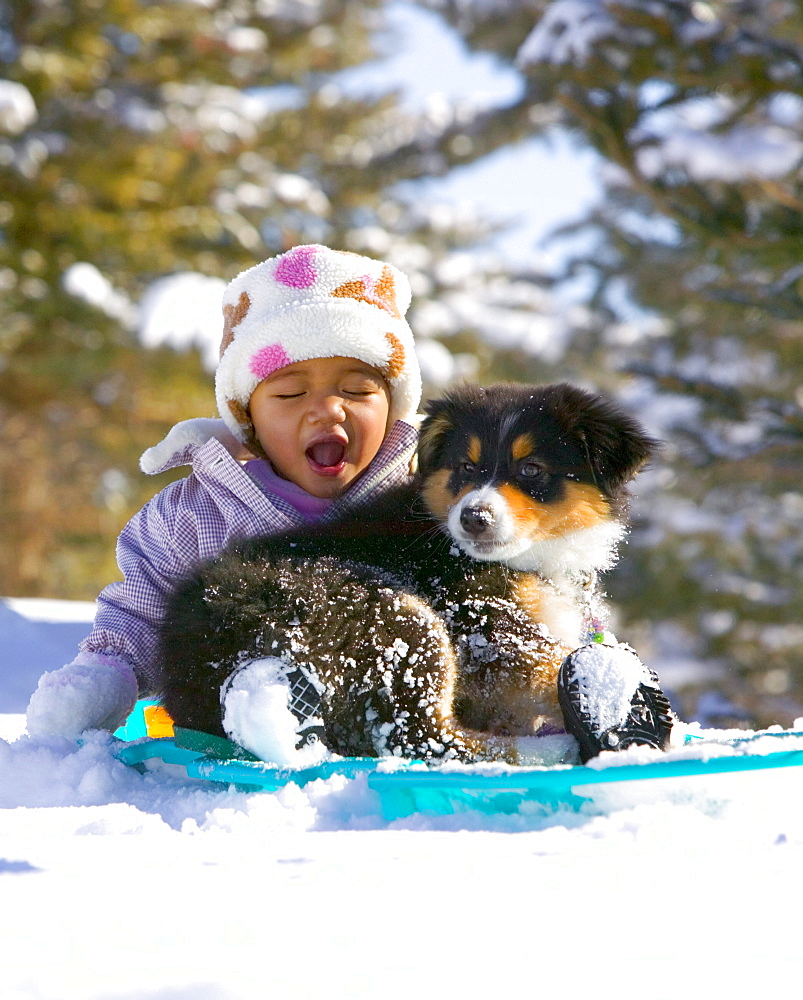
x=434 y=429
x=616 y=446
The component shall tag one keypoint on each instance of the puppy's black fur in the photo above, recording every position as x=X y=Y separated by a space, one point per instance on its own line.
x=434 y=620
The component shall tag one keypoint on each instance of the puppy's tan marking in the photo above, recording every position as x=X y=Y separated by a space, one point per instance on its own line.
x=548 y=606
x=474 y=449
x=581 y=506
x=523 y=509
x=431 y=437
x=528 y=595
x=519 y=707
x=522 y=447
x=437 y=495
x=514 y=696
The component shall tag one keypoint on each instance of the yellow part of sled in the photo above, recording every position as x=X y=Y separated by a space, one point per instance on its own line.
x=157 y=722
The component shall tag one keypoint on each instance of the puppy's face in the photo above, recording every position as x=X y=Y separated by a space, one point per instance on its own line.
x=509 y=468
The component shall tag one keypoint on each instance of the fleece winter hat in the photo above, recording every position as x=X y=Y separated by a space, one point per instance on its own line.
x=313 y=302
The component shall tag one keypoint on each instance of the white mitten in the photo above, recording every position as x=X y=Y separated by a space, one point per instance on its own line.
x=95 y=691
x=195 y=432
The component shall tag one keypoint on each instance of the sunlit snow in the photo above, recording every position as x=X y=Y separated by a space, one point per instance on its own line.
x=119 y=885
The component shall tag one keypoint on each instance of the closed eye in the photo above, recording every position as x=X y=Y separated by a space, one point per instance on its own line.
x=361 y=387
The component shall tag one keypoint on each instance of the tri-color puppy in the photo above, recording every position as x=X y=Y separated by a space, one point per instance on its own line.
x=430 y=623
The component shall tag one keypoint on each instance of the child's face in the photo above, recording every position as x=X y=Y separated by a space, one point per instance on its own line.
x=321 y=422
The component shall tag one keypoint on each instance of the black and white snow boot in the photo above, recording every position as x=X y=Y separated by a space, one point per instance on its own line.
x=305 y=704
x=271 y=707
x=611 y=700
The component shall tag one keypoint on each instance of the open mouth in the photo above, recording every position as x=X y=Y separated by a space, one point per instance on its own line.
x=327 y=458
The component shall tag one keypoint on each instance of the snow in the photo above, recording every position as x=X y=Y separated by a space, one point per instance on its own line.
x=567 y=32
x=214 y=110
x=692 y=135
x=183 y=311
x=85 y=281
x=119 y=885
x=607 y=675
x=742 y=153
x=17 y=107
x=439 y=366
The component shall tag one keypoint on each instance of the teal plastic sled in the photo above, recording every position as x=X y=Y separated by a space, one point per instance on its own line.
x=407 y=787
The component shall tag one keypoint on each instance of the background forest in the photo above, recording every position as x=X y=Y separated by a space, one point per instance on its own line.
x=151 y=150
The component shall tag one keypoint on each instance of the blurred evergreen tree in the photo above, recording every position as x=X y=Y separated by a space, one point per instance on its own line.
x=140 y=139
x=691 y=270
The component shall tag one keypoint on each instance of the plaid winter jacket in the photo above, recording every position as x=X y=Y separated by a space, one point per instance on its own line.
x=193 y=519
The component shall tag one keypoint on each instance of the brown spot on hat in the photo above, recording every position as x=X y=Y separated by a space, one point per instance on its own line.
x=239 y=412
x=247 y=433
x=395 y=364
x=233 y=315
x=380 y=293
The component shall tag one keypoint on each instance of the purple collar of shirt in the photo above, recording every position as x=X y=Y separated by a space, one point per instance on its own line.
x=310 y=507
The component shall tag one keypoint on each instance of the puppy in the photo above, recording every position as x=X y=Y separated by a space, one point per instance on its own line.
x=432 y=622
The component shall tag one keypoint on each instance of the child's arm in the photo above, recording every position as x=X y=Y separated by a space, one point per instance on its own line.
x=117 y=660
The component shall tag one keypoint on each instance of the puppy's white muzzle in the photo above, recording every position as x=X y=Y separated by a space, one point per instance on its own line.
x=482 y=525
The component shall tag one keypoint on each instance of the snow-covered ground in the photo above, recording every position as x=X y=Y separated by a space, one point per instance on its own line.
x=123 y=886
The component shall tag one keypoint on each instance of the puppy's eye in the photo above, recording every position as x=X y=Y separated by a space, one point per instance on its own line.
x=467 y=467
x=530 y=469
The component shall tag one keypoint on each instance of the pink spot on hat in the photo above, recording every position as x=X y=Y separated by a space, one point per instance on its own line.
x=269 y=359
x=295 y=268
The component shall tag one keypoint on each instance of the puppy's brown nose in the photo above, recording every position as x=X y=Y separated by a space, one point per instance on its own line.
x=476 y=520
